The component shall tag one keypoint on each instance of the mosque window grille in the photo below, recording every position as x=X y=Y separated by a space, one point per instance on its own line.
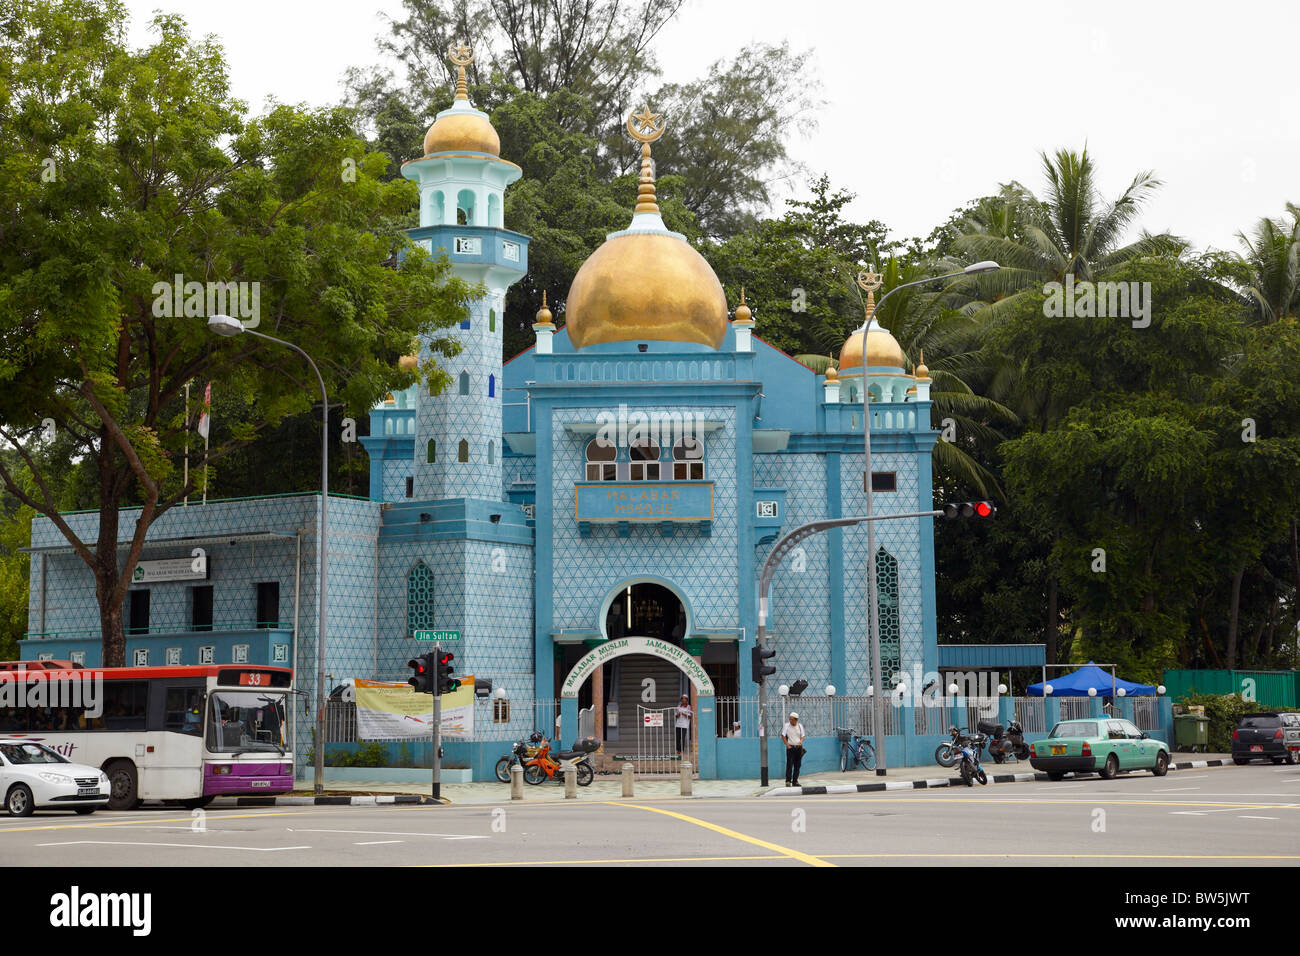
x=891 y=638
x=491 y=453
x=492 y=320
x=431 y=452
x=492 y=386
x=464 y=383
x=644 y=457
x=419 y=599
x=688 y=460
x=602 y=456
x=462 y=451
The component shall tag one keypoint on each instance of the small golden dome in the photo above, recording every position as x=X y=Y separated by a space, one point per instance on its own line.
x=921 y=372
x=409 y=363
x=646 y=282
x=389 y=400
x=457 y=131
x=883 y=350
x=743 y=315
x=544 y=316
x=832 y=376
x=462 y=129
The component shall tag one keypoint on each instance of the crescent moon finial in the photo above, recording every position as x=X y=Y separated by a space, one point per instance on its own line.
x=642 y=126
x=461 y=56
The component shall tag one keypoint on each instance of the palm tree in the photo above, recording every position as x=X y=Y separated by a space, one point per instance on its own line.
x=1036 y=241
x=1273 y=257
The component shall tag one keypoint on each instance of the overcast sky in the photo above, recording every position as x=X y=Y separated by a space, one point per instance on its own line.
x=930 y=104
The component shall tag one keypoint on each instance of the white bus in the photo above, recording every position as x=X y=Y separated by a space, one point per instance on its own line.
x=180 y=734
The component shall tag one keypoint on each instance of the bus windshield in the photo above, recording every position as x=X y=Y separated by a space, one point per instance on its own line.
x=246 y=722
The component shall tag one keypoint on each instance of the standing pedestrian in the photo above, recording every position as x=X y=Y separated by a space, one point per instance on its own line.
x=794 y=734
x=683 y=724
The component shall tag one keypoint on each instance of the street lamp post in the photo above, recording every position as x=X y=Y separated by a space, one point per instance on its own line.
x=225 y=326
x=871 y=281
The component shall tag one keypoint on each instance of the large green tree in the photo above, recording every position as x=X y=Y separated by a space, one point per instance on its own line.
x=126 y=168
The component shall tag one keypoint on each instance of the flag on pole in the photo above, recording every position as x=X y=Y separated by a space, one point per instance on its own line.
x=205 y=419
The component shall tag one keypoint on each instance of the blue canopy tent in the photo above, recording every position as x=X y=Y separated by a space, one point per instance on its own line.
x=1076 y=684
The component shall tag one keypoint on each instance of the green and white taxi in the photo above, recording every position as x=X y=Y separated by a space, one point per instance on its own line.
x=1104 y=745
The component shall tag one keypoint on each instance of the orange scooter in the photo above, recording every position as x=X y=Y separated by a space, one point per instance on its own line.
x=545 y=767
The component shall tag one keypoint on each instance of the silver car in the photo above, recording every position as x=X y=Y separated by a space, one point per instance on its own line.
x=33 y=776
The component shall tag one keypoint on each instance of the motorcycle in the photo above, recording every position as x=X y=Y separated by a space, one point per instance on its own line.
x=1000 y=745
x=520 y=754
x=969 y=756
x=947 y=754
x=543 y=766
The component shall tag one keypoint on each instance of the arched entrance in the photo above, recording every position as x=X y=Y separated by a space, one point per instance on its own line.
x=633 y=678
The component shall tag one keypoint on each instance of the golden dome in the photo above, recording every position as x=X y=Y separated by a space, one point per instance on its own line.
x=922 y=371
x=883 y=350
x=743 y=314
x=832 y=376
x=544 y=316
x=389 y=400
x=646 y=286
x=646 y=283
x=462 y=131
x=462 y=128
x=408 y=363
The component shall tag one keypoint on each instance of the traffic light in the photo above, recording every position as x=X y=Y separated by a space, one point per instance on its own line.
x=969 y=509
x=422 y=673
x=758 y=668
x=445 y=682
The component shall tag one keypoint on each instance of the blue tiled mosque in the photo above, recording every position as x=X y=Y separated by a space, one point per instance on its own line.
x=625 y=477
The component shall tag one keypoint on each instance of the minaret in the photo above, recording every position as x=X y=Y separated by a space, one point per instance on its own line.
x=462 y=181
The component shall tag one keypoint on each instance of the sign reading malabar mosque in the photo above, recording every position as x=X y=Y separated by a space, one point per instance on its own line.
x=643 y=501
x=637 y=645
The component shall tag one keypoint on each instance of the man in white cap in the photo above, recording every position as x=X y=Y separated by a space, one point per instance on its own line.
x=794 y=734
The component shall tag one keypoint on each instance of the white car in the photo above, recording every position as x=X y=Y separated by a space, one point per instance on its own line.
x=32 y=775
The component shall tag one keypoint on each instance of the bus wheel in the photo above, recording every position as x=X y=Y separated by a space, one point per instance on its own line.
x=122 y=785
x=197 y=803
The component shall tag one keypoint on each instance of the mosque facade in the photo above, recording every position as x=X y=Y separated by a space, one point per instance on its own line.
x=625 y=477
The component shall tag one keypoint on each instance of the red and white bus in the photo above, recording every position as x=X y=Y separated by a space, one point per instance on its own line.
x=182 y=734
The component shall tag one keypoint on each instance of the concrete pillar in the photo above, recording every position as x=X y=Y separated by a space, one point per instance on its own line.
x=516 y=782
x=598 y=700
x=629 y=786
x=687 y=778
x=570 y=783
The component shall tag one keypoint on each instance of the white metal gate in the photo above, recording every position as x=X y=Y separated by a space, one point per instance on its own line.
x=656 y=743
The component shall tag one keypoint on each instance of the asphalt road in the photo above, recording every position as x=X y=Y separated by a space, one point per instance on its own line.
x=1232 y=816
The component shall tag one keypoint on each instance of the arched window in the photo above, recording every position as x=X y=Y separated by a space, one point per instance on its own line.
x=688 y=460
x=464 y=383
x=492 y=320
x=601 y=457
x=492 y=453
x=492 y=386
x=891 y=646
x=494 y=210
x=462 y=452
x=419 y=599
x=644 y=455
x=465 y=207
x=465 y=325
x=431 y=452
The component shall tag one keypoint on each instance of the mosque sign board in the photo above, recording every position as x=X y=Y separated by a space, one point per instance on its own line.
x=643 y=501
x=617 y=647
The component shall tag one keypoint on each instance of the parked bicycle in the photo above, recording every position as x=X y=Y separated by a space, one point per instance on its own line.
x=856 y=753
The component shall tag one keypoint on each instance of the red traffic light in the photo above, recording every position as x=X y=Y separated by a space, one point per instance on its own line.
x=969 y=509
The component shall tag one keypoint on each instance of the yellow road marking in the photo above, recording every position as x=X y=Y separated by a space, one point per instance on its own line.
x=735 y=835
x=1045 y=856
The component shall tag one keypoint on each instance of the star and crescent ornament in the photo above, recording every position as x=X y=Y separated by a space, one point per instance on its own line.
x=646 y=127
x=870 y=281
x=461 y=54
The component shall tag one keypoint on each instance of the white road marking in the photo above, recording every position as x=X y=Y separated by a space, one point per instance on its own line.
x=1175 y=789
x=376 y=842
x=445 y=836
x=1246 y=816
x=1202 y=776
x=183 y=846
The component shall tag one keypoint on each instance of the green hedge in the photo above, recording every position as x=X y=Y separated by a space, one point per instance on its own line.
x=1224 y=712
